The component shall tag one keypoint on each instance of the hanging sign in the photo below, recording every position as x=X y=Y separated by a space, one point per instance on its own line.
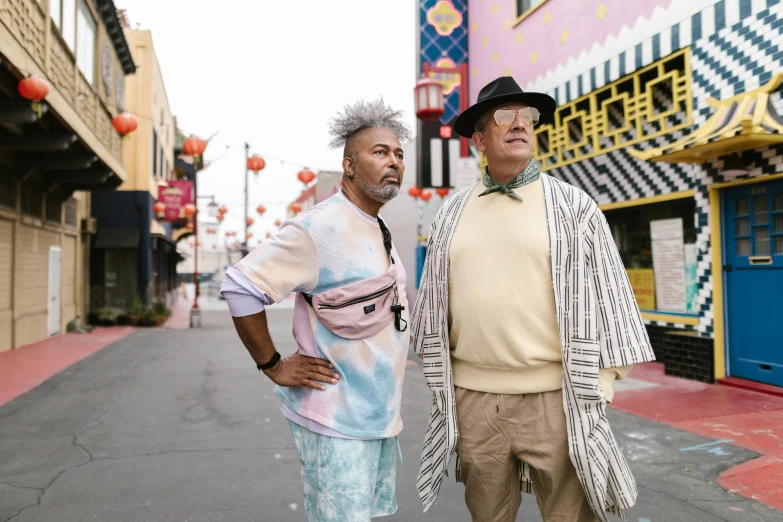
x=178 y=194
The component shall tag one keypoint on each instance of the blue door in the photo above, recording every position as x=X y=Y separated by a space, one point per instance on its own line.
x=753 y=267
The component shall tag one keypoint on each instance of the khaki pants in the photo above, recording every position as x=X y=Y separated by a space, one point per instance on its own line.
x=496 y=432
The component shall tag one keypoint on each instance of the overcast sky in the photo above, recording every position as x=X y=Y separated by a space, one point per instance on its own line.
x=272 y=73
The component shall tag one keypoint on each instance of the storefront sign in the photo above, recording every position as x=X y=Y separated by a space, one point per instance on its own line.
x=444 y=17
x=643 y=285
x=178 y=194
x=466 y=173
x=668 y=253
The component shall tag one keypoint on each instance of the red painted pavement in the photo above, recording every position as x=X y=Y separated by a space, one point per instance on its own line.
x=180 y=315
x=751 y=420
x=25 y=368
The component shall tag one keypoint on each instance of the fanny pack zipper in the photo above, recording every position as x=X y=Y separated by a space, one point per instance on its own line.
x=358 y=299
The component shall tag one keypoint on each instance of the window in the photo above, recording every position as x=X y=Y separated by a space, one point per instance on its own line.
x=85 y=54
x=7 y=187
x=71 y=212
x=32 y=197
x=154 y=153
x=54 y=206
x=657 y=243
x=63 y=13
x=163 y=173
x=525 y=6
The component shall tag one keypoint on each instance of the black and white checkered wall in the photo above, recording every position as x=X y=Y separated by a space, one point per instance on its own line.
x=736 y=46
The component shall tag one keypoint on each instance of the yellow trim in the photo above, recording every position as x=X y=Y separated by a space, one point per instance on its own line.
x=646 y=201
x=717 y=137
x=181 y=233
x=527 y=13
x=676 y=319
x=746 y=181
x=718 y=331
x=637 y=110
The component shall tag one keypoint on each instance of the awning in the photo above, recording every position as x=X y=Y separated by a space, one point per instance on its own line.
x=117 y=238
x=743 y=122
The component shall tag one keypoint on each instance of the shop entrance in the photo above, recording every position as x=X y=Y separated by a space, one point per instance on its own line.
x=753 y=268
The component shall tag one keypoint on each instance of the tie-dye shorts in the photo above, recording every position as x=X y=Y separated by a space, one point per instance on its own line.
x=346 y=480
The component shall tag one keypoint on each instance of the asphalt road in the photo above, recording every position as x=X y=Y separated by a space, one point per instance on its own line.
x=179 y=426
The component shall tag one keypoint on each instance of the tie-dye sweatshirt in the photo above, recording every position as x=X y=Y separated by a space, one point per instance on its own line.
x=331 y=245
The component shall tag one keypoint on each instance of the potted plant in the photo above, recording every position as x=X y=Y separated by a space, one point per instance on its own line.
x=149 y=317
x=135 y=312
x=107 y=316
x=161 y=309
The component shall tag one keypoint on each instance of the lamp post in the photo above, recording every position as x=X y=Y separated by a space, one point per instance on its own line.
x=195 y=146
x=462 y=70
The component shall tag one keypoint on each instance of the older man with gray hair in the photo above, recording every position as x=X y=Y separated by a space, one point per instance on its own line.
x=341 y=391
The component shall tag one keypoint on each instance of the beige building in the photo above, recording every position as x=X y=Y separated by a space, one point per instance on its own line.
x=134 y=255
x=149 y=152
x=50 y=161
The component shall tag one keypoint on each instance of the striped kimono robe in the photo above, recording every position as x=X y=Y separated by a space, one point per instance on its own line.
x=599 y=324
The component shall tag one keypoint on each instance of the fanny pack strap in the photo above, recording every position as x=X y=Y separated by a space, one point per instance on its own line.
x=387 y=239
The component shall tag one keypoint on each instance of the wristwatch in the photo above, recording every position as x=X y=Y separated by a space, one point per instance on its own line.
x=270 y=364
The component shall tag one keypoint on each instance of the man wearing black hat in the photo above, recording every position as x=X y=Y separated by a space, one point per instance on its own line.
x=540 y=320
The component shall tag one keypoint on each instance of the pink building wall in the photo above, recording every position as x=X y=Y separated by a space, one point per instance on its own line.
x=556 y=31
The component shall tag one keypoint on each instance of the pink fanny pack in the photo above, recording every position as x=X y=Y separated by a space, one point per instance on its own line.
x=360 y=310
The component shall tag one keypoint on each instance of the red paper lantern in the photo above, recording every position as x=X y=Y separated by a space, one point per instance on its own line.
x=189 y=226
x=414 y=192
x=159 y=207
x=222 y=210
x=260 y=209
x=214 y=246
x=426 y=195
x=296 y=207
x=33 y=88
x=442 y=192
x=237 y=245
x=248 y=235
x=124 y=123
x=255 y=163
x=220 y=218
x=268 y=235
x=306 y=176
x=190 y=210
x=278 y=222
x=194 y=146
x=428 y=98
x=249 y=221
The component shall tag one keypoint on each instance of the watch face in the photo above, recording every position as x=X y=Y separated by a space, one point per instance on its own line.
x=106 y=69
x=118 y=90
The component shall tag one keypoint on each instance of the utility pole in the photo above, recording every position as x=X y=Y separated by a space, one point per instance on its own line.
x=247 y=155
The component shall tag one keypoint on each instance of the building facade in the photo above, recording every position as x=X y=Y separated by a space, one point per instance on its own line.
x=133 y=253
x=669 y=117
x=53 y=158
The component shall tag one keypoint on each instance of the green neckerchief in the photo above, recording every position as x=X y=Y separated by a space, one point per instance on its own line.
x=531 y=173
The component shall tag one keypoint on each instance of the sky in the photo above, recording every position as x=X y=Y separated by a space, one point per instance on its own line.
x=272 y=73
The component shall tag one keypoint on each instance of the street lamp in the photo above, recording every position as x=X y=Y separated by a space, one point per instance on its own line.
x=195 y=146
x=462 y=70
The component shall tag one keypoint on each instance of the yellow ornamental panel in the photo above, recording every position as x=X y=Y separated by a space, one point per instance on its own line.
x=650 y=102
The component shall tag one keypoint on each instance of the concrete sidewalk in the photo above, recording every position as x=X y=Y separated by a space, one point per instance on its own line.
x=732 y=416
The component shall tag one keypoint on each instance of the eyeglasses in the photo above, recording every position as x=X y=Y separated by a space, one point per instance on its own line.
x=528 y=115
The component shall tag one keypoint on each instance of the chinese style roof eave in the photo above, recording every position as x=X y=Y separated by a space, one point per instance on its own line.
x=746 y=121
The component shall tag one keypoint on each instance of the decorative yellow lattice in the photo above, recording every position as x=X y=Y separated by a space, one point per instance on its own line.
x=583 y=128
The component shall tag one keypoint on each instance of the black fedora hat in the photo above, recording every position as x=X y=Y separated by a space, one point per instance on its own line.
x=496 y=92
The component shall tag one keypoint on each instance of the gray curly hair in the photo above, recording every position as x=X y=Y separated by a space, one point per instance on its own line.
x=365 y=115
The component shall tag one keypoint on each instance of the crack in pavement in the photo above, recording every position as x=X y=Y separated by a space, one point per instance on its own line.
x=74 y=442
x=688 y=501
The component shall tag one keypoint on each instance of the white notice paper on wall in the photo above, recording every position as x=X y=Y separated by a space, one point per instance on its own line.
x=668 y=254
x=466 y=173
